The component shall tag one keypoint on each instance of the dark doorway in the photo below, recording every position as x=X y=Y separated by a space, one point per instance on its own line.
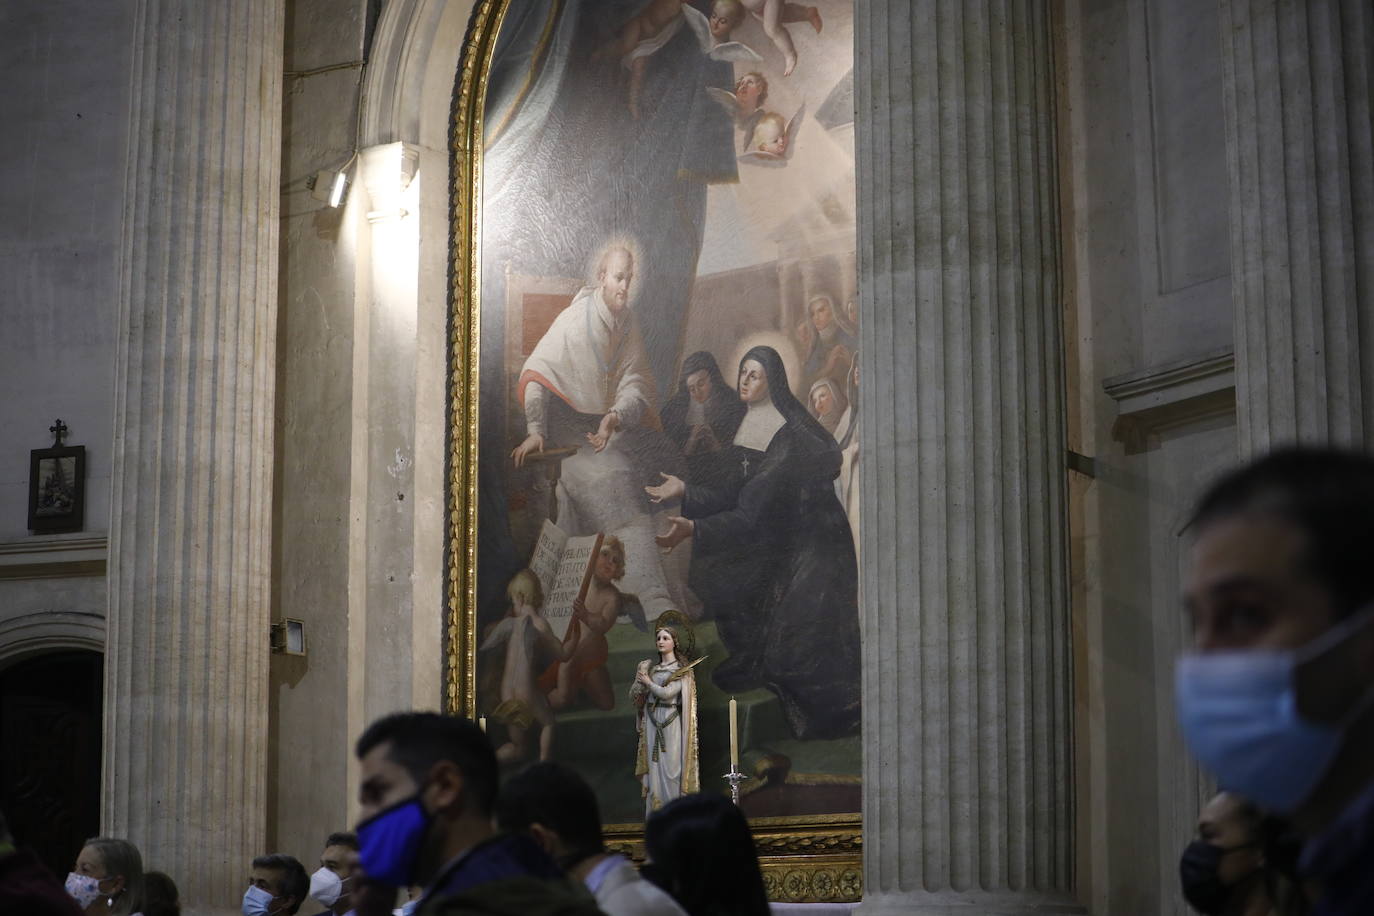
x=50 y=725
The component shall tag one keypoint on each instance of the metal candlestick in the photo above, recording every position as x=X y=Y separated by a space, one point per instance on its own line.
x=734 y=777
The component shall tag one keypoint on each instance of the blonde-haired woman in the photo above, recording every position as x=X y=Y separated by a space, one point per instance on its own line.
x=107 y=879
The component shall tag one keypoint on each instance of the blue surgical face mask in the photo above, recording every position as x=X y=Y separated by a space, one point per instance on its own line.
x=389 y=842
x=1239 y=715
x=257 y=902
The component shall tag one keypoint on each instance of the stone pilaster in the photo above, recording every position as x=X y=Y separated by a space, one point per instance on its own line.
x=967 y=781
x=186 y=715
x=1296 y=80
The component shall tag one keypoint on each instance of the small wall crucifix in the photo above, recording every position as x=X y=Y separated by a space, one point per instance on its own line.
x=57 y=484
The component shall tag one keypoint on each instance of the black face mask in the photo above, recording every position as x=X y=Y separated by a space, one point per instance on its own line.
x=1197 y=870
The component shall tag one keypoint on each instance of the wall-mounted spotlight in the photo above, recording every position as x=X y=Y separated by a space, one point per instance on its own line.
x=331 y=185
x=338 y=188
x=288 y=637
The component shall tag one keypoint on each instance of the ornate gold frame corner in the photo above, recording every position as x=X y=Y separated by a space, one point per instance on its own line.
x=465 y=147
x=813 y=859
x=818 y=861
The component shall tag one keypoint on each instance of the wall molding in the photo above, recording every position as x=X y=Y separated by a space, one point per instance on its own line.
x=1159 y=398
x=40 y=632
x=54 y=556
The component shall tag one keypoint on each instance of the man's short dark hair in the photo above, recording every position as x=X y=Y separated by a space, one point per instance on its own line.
x=1326 y=494
x=345 y=838
x=294 y=882
x=557 y=797
x=421 y=739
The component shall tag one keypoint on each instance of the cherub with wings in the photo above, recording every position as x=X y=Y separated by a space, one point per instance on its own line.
x=713 y=32
x=648 y=31
x=642 y=36
x=774 y=140
x=745 y=104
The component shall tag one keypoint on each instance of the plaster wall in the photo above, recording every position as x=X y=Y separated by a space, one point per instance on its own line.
x=1147 y=253
x=361 y=395
x=66 y=67
x=308 y=759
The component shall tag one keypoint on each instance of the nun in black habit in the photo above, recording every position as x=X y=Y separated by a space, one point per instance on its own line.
x=702 y=418
x=773 y=558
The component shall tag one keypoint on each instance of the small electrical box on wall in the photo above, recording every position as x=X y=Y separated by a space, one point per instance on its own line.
x=288 y=637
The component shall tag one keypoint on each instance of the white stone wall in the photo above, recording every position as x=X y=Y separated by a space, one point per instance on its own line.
x=1148 y=331
x=62 y=168
x=362 y=362
x=309 y=697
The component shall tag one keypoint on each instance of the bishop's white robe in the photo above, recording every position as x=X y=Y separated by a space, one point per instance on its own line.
x=594 y=363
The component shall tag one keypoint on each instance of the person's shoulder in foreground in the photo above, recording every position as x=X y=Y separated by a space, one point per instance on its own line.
x=1277 y=697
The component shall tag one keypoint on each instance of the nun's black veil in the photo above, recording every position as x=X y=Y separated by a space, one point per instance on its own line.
x=797 y=416
x=695 y=363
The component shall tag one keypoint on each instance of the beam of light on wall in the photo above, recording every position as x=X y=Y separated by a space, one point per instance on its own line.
x=387 y=174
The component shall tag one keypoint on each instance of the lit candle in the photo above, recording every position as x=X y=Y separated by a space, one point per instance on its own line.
x=482 y=723
x=734 y=736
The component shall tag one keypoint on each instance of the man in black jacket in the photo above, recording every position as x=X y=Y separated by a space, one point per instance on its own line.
x=428 y=789
x=1278 y=698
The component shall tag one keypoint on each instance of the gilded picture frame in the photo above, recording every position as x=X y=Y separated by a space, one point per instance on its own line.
x=815 y=857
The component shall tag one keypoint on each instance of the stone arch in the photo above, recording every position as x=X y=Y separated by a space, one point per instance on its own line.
x=41 y=632
x=411 y=71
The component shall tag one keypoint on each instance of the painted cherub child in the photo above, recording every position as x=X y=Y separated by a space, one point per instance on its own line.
x=585 y=648
x=528 y=640
x=639 y=38
x=745 y=104
x=770 y=134
x=772 y=14
x=714 y=31
x=773 y=140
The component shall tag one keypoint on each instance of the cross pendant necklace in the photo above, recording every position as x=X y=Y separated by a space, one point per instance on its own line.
x=745 y=465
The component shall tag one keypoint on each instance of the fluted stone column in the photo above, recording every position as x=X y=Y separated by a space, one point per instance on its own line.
x=967 y=781
x=186 y=715
x=1296 y=80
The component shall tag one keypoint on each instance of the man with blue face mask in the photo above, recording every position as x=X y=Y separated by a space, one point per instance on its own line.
x=276 y=887
x=1277 y=700
x=428 y=785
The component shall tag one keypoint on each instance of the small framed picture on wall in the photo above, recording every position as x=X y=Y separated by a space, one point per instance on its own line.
x=57 y=485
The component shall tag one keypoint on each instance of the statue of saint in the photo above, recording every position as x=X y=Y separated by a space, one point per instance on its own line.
x=665 y=693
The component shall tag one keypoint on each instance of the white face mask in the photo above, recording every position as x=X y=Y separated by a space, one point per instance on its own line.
x=83 y=888
x=257 y=902
x=325 y=886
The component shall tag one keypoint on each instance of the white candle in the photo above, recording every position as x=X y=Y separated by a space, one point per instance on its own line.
x=734 y=735
x=482 y=723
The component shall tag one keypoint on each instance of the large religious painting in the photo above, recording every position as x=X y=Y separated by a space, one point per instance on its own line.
x=655 y=445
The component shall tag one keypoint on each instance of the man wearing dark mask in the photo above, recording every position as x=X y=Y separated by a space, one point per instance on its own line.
x=428 y=788
x=1276 y=699
x=1241 y=863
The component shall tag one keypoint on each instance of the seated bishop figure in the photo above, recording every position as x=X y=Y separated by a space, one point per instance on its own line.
x=587 y=385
